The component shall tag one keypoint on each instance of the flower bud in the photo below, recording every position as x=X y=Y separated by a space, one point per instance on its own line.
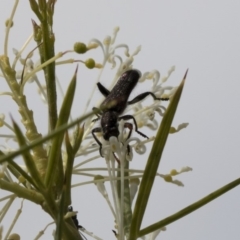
x=2 y=117
x=100 y=185
x=7 y=23
x=80 y=47
x=14 y=236
x=134 y=183
x=173 y=172
x=168 y=178
x=107 y=41
x=37 y=32
x=21 y=179
x=90 y=63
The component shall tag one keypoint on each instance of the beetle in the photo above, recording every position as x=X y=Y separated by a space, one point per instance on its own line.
x=115 y=103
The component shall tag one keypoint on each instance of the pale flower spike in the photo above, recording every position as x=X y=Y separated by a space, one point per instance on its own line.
x=118 y=151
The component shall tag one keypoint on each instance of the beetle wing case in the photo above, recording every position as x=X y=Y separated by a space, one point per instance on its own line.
x=117 y=99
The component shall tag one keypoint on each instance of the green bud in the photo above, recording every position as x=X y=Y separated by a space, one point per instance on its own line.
x=21 y=179
x=90 y=63
x=7 y=22
x=37 y=32
x=80 y=47
x=14 y=236
x=134 y=181
x=98 y=177
x=167 y=178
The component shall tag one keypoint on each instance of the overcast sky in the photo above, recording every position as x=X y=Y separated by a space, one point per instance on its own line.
x=203 y=36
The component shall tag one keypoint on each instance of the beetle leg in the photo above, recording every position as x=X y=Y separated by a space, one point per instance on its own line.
x=96 y=119
x=143 y=95
x=97 y=114
x=97 y=140
x=105 y=92
x=130 y=127
x=128 y=117
x=128 y=149
x=118 y=161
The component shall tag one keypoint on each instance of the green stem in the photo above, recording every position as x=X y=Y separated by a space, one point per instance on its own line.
x=22 y=192
x=189 y=209
x=49 y=71
x=127 y=200
x=44 y=12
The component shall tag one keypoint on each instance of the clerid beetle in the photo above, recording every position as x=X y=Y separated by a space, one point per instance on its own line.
x=115 y=103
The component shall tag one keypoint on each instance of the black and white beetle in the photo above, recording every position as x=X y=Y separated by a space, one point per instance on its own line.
x=115 y=103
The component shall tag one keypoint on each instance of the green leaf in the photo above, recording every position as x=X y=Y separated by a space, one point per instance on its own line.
x=35 y=8
x=51 y=135
x=55 y=152
x=17 y=171
x=153 y=163
x=78 y=138
x=60 y=216
x=30 y=164
x=71 y=151
x=191 y=208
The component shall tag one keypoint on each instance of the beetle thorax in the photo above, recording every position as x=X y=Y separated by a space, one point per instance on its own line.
x=109 y=123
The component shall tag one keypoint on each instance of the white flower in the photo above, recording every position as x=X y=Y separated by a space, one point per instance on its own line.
x=109 y=55
x=134 y=183
x=153 y=235
x=28 y=67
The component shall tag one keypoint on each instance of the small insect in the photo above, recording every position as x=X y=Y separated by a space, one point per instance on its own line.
x=115 y=103
x=75 y=221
